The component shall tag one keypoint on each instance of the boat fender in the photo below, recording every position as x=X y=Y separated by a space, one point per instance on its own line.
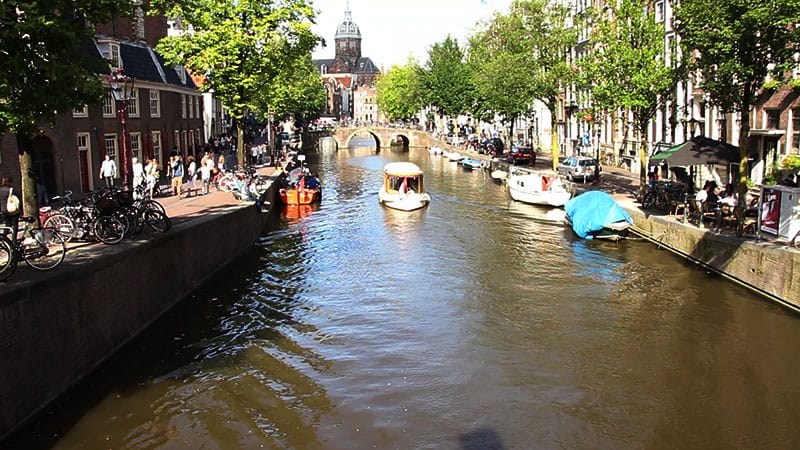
x=545 y=183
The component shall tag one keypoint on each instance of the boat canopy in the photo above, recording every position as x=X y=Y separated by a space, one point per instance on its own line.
x=402 y=169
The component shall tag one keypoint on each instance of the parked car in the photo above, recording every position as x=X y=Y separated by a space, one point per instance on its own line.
x=521 y=155
x=493 y=147
x=580 y=167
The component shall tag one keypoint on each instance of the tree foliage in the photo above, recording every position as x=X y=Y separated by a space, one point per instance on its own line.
x=446 y=80
x=399 y=91
x=296 y=91
x=242 y=46
x=521 y=56
x=629 y=69
x=46 y=68
x=734 y=46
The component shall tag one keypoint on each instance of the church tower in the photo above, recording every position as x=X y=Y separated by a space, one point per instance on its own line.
x=348 y=45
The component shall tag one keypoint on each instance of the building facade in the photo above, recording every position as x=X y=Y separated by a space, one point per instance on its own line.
x=164 y=114
x=343 y=75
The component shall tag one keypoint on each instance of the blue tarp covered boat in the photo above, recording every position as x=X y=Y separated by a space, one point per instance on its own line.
x=595 y=214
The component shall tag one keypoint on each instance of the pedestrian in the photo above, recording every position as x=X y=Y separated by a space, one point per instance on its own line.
x=138 y=177
x=176 y=174
x=205 y=173
x=254 y=155
x=108 y=170
x=10 y=219
x=191 y=174
x=221 y=163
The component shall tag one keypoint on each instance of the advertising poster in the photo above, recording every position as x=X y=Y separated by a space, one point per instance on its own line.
x=770 y=210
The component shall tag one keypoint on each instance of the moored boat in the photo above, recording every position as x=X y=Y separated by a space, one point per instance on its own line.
x=300 y=188
x=471 y=163
x=403 y=188
x=538 y=188
x=596 y=215
x=453 y=156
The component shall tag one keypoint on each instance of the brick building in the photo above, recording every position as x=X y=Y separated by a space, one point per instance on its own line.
x=347 y=71
x=165 y=113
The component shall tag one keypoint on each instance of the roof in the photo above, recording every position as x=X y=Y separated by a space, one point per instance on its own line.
x=142 y=63
x=402 y=169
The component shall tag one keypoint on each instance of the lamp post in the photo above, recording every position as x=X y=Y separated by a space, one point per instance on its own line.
x=122 y=88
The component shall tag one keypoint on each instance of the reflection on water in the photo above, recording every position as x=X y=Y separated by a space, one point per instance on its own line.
x=477 y=322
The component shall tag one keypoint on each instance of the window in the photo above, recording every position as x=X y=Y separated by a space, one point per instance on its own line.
x=156 y=136
x=133 y=104
x=659 y=11
x=83 y=111
x=183 y=106
x=773 y=118
x=85 y=167
x=111 y=53
x=136 y=145
x=197 y=105
x=795 y=144
x=190 y=106
x=111 y=148
x=108 y=106
x=177 y=138
x=155 y=103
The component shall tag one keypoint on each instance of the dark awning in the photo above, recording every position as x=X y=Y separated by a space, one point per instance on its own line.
x=699 y=150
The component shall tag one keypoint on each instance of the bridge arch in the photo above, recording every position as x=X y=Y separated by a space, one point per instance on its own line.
x=384 y=136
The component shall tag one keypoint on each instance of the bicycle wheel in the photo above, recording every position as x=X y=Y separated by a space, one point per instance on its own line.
x=157 y=221
x=649 y=200
x=47 y=251
x=8 y=258
x=226 y=183
x=154 y=205
x=63 y=223
x=109 y=230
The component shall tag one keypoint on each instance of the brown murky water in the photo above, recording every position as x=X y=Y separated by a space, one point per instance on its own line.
x=474 y=324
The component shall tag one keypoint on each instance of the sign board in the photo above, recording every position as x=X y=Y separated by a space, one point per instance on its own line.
x=301 y=157
x=770 y=210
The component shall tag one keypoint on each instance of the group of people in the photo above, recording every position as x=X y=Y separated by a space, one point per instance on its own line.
x=712 y=195
x=208 y=169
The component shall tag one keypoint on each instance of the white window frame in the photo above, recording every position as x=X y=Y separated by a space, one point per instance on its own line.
x=111 y=147
x=190 y=106
x=155 y=103
x=157 y=148
x=109 y=107
x=659 y=11
x=183 y=106
x=133 y=104
x=136 y=145
x=83 y=111
x=177 y=137
x=197 y=105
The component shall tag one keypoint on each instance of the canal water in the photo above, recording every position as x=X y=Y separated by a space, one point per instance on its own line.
x=478 y=323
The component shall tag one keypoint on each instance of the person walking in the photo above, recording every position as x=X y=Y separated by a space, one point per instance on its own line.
x=138 y=177
x=205 y=173
x=191 y=175
x=176 y=174
x=108 y=170
x=10 y=219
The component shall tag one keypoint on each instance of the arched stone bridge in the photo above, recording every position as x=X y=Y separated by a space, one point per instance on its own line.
x=384 y=136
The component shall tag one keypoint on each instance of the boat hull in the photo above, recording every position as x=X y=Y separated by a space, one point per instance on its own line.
x=293 y=196
x=403 y=202
x=528 y=188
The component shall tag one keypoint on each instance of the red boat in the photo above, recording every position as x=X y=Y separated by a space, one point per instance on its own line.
x=301 y=188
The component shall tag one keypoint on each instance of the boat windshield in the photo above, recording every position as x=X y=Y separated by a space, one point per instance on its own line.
x=404 y=183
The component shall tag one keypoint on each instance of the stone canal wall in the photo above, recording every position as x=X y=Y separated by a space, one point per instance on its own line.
x=54 y=332
x=770 y=269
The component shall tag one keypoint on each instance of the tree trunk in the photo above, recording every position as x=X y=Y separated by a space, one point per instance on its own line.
x=642 y=162
x=741 y=189
x=554 y=143
x=27 y=180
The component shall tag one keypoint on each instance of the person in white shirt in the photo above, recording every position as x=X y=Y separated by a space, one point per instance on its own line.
x=138 y=175
x=108 y=170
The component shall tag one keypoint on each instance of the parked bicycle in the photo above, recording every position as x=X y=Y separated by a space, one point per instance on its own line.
x=41 y=249
x=83 y=220
x=663 y=195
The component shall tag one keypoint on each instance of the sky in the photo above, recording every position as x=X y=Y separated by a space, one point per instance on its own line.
x=391 y=30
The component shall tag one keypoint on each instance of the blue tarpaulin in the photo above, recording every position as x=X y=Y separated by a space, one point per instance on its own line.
x=591 y=211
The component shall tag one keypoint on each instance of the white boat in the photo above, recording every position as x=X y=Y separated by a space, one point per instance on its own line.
x=435 y=150
x=453 y=156
x=402 y=187
x=538 y=188
x=499 y=175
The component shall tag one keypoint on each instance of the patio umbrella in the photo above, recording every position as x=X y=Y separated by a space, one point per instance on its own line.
x=699 y=150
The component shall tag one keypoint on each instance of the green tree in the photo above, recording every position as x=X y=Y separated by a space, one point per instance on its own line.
x=734 y=46
x=295 y=91
x=446 y=80
x=399 y=91
x=45 y=69
x=242 y=46
x=522 y=55
x=628 y=69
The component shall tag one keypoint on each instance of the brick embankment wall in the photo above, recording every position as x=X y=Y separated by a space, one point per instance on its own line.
x=770 y=269
x=54 y=332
